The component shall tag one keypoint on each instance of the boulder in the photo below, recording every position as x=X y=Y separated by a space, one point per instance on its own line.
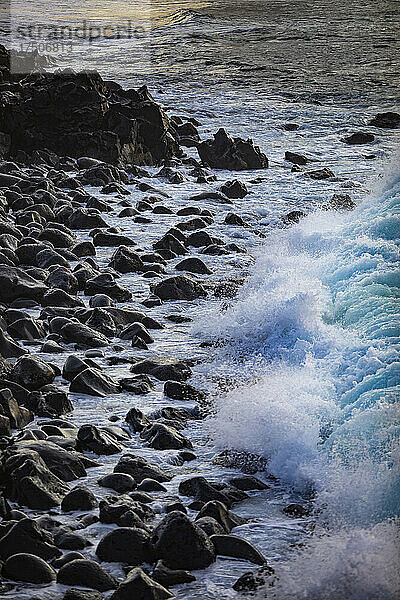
x=79 y=498
x=124 y=511
x=163 y=368
x=15 y=283
x=169 y=577
x=139 y=585
x=162 y=437
x=27 y=536
x=139 y=385
x=86 y=573
x=181 y=543
x=29 y=568
x=140 y=468
x=76 y=594
x=126 y=544
x=232 y=545
x=65 y=465
x=105 y=284
x=296 y=159
x=340 y=202
x=234 y=189
x=205 y=491
x=18 y=417
x=218 y=511
x=125 y=260
x=120 y=482
x=248 y=482
x=92 y=382
x=234 y=154
x=386 y=120
x=193 y=265
x=179 y=287
x=136 y=420
x=359 y=138
x=32 y=373
x=83 y=335
x=100 y=320
x=92 y=439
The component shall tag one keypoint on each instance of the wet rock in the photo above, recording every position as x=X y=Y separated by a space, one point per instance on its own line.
x=72 y=366
x=139 y=585
x=124 y=511
x=236 y=547
x=94 y=440
x=293 y=217
x=83 y=335
x=359 y=138
x=84 y=249
x=296 y=159
x=100 y=301
x=8 y=348
x=26 y=329
x=248 y=482
x=251 y=581
x=340 y=202
x=183 y=391
x=140 y=468
x=18 y=417
x=319 y=174
x=86 y=573
x=218 y=511
x=126 y=544
x=94 y=383
x=139 y=385
x=205 y=491
x=234 y=154
x=75 y=594
x=179 y=288
x=83 y=218
x=68 y=540
x=27 y=536
x=59 y=239
x=56 y=297
x=233 y=219
x=63 y=464
x=163 y=368
x=210 y=526
x=79 y=498
x=151 y=485
x=162 y=437
x=170 y=577
x=15 y=283
x=124 y=260
x=105 y=284
x=297 y=510
x=120 y=482
x=101 y=321
x=181 y=544
x=29 y=568
x=171 y=243
x=193 y=265
x=386 y=120
x=136 y=420
x=65 y=558
x=136 y=330
x=104 y=238
x=234 y=189
x=32 y=373
x=48 y=258
x=63 y=279
x=50 y=401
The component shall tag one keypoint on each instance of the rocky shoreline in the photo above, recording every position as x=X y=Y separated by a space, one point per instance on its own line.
x=82 y=293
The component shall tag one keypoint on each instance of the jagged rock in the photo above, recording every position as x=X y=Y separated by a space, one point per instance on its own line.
x=139 y=385
x=210 y=526
x=232 y=545
x=86 y=573
x=340 y=202
x=48 y=258
x=56 y=297
x=63 y=464
x=63 y=279
x=84 y=249
x=15 y=283
x=79 y=498
x=139 y=468
x=233 y=219
x=32 y=372
x=136 y=330
x=251 y=581
x=234 y=154
x=120 y=482
x=319 y=174
x=248 y=482
x=126 y=544
x=163 y=368
x=29 y=568
x=181 y=544
x=139 y=585
x=102 y=321
x=293 y=217
x=162 y=437
x=94 y=440
x=179 y=288
x=234 y=189
x=124 y=511
x=136 y=420
x=296 y=510
x=26 y=329
x=82 y=218
x=75 y=594
x=18 y=417
x=9 y=349
x=26 y=536
x=171 y=243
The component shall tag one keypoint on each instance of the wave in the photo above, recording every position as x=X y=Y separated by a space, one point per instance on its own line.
x=313 y=340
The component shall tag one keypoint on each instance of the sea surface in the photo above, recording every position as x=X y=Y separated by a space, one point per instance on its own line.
x=308 y=374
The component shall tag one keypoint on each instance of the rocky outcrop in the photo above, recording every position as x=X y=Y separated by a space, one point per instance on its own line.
x=234 y=154
x=78 y=115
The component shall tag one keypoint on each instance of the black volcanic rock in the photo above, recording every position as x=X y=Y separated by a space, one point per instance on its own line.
x=234 y=154
x=77 y=114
